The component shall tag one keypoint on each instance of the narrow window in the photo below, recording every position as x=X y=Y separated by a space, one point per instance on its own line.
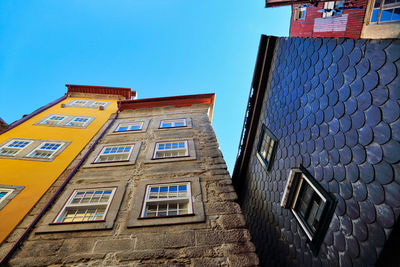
x=79 y=122
x=171 y=150
x=115 y=153
x=86 y=205
x=167 y=200
x=173 y=123
x=266 y=147
x=300 y=13
x=132 y=126
x=45 y=150
x=13 y=147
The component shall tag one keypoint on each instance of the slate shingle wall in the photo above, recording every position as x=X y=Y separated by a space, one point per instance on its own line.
x=334 y=106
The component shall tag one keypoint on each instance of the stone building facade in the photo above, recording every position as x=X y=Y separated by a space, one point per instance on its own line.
x=161 y=209
x=322 y=134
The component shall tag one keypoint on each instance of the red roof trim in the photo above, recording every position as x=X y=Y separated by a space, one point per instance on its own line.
x=91 y=89
x=176 y=101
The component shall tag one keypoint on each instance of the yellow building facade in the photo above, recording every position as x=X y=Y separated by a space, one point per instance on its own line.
x=35 y=151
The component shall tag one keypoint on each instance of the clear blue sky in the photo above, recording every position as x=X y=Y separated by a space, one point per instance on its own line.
x=156 y=47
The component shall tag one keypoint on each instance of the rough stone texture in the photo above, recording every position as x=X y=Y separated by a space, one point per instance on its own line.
x=221 y=240
x=333 y=104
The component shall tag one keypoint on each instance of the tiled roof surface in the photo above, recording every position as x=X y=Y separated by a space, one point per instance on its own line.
x=333 y=104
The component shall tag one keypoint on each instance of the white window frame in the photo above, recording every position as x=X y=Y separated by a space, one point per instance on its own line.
x=74 y=103
x=103 y=154
x=173 y=123
x=168 y=200
x=8 y=192
x=300 y=11
x=39 y=149
x=157 y=149
x=332 y=5
x=49 y=121
x=380 y=10
x=78 y=123
x=60 y=219
x=98 y=104
x=17 y=149
x=130 y=124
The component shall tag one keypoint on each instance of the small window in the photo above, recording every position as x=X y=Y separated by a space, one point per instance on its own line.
x=78 y=103
x=79 y=122
x=386 y=11
x=54 y=120
x=167 y=200
x=133 y=126
x=266 y=147
x=114 y=153
x=171 y=149
x=98 y=104
x=87 y=205
x=310 y=204
x=332 y=8
x=4 y=193
x=13 y=147
x=87 y=104
x=173 y=123
x=46 y=150
x=300 y=13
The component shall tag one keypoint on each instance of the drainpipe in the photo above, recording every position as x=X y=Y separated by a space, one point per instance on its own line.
x=53 y=198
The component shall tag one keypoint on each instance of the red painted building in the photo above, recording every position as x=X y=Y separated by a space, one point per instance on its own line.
x=351 y=19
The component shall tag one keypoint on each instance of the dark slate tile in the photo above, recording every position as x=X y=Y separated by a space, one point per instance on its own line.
x=333 y=98
x=363 y=67
x=358 y=119
x=392 y=196
x=376 y=235
x=331 y=44
x=351 y=138
x=350 y=105
x=340 y=140
x=365 y=135
x=367 y=172
x=375 y=193
x=391 y=111
x=334 y=156
x=333 y=186
x=319 y=144
x=348 y=46
x=338 y=239
x=386 y=217
x=391 y=151
x=387 y=73
x=359 y=154
x=359 y=191
x=393 y=51
x=311 y=119
x=339 y=110
x=340 y=206
x=376 y=56
x=384 y=173
x=343 y=64
x=353 y=209
x=328 y=86
x=367 y=212
x=346 y=191
x=345 y=123
x=364 y=100
x=323 y=129
x=339 y=172
x=338 y=81
x=355 y=56
x=346 y=225
x=370 y=80
x=349 y=74
x=352 y=173
x=328 y=173
x=373 y=116
x=323 y=102
x=379 y=95
x=352 y=246
x=393 y=87
x=374 y=153
x=345 y=155
x=360 y=230
x=357 y=87
x=368 y=253
x=334 y=126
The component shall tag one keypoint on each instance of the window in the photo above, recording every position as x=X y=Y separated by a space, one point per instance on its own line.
x=13 y=147
x=81 y=103
x=45 y=150
x=7 y=193
x=266 y=147
x=79 y=122
x=311 y=205
x=86 y=206
x=332 y=8
x=167 y=200
x=53 y=120
x=115 y=153
x=386 y=11
x=171 y=149
x=170 y=202
x=300 y=13
x=173 y=123
x=81 y=208
x=133 y=126
x=4 y=193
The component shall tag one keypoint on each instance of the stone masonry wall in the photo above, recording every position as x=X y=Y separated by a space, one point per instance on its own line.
x=221 y=240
